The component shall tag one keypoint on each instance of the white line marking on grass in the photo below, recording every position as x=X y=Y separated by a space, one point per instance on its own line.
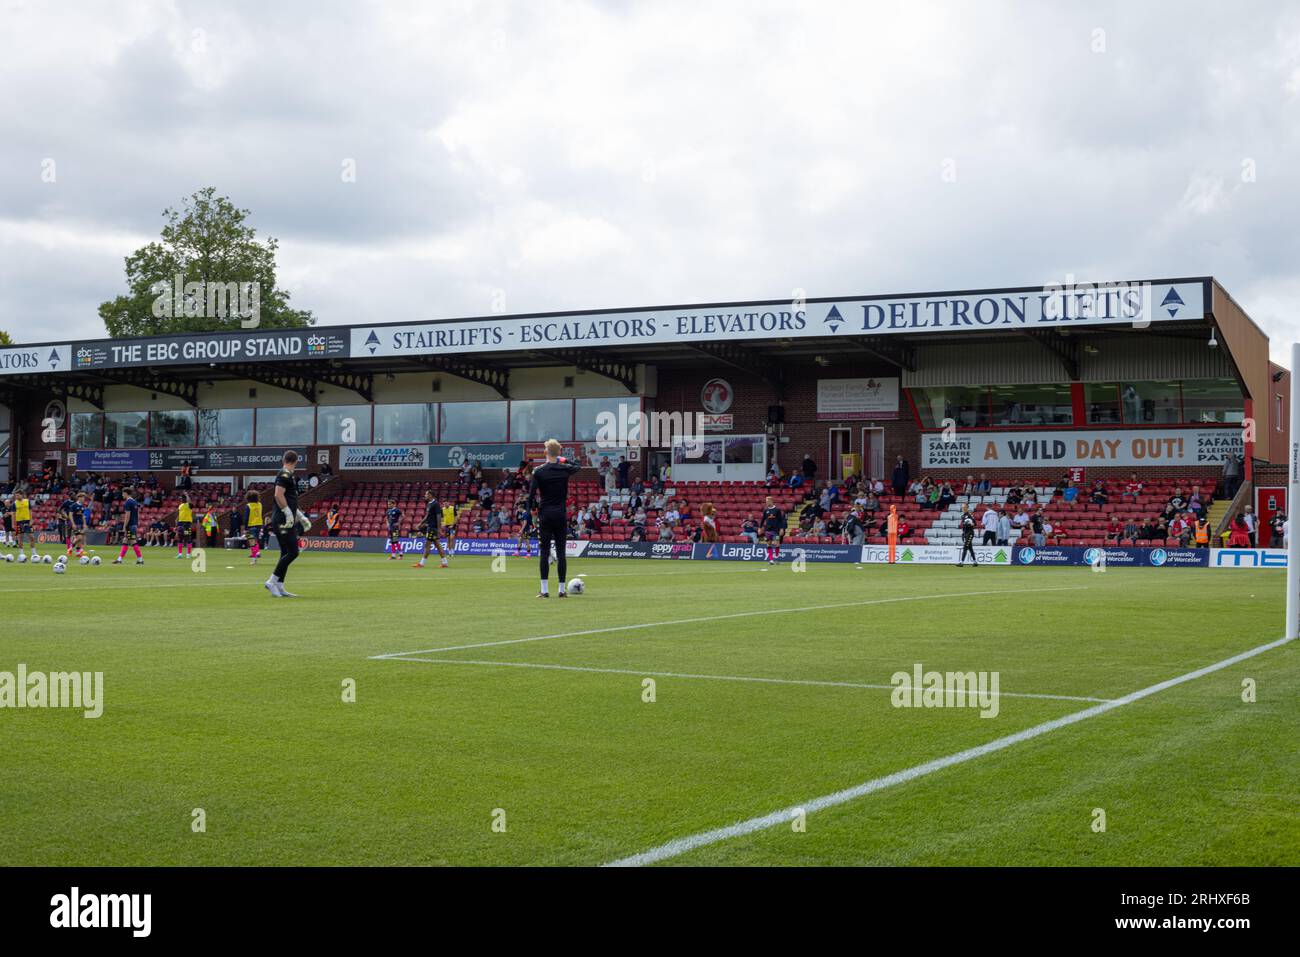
x=753 y=678
x=737 y=614
x=682 y=845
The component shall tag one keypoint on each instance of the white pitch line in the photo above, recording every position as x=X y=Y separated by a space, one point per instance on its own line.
x=682 y=845
x=738 y=614
x=753 y=678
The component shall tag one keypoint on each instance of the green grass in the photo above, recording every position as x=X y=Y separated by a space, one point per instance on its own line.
x=219 y=697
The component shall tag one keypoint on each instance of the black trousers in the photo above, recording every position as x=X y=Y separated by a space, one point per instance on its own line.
x=288 y=539
x=967 y=548
x=553 y=527
x=990 y=538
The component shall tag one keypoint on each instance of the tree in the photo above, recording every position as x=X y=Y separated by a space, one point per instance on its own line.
x=6 y=339
x=209 y=272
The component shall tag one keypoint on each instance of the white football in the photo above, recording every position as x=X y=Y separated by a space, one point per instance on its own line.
x=60 y=568
x=46 y=559
x=94 y=560
x=576 y=586
x=22 y=557
x=9 y=558
x=84 y=560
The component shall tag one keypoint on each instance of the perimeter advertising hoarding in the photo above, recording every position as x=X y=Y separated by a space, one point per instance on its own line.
x=1057 y=448
x=1115 y=557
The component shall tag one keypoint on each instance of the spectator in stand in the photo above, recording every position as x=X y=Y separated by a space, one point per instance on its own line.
x=983 y=486
x=809 y=468
x=1276 y=529
x=1037 y=526
x=485 y=496
x=1177 y=500
x=1196 y=502
x=1132 y=488
x=624 y=471
x=1239 y=537
x=333 y=522
x=1099 y=496
x=1131 y=531
x=749 y=529
x=635 y=501
x=819 y=527
x=1201 y=533
x=1231 y=475
x=1029 y=494
x=665 y=531
x=922 y=495
x=1004 y=527
x=900 y=476
x=1160 y=531
x=834 y=527
x=1069 y=493
x=463 y=474
x=1114 y=531
x=946 y=497
x=1251 y=521
x=990 y=523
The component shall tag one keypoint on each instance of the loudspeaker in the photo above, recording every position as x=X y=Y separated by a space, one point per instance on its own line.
x=776 y=414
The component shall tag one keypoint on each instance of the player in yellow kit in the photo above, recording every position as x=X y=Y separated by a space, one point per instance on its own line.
x=253 y=525
x=23 y=520
x=449 y=526
x=184 y=527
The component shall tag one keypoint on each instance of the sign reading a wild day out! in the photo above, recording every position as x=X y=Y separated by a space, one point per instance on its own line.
x=1118 y=447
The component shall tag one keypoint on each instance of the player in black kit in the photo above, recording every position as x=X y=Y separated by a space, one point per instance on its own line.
x=549 y=492
x=967 y=537
x=774 y=522
x=429 y=526
x=286 y=520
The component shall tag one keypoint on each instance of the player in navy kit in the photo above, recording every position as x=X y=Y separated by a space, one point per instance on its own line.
x=130 y=528
x=773 y=530
x=394 y=518
x=527 y=529
x=432 y=519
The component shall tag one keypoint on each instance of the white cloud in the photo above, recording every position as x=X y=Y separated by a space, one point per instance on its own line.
x=584 y=154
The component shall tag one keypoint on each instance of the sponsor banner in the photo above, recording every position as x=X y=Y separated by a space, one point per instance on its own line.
x=276 y=345
x=1115 y=557
x=857 y=398
x=502 y=546
x=1137 y=303
x=1248 y=558
x=361 y=457
x=1117 y=447
x=113 y=460
x=171 y=460
x=488 y=455
x=680 y=550
x=934 y=554
x=748 y=552
x=717 y=423
x=31 y=359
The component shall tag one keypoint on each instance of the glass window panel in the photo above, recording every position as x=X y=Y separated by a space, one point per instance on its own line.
x=472 y=422
x=172 y=428
x=343 y=425
x=1101 y=399
x=536 y=420
x=126 y=430
x=225 y=427
x=1032 y=405
x=87 y=430
x=588 y=422
x=967 y=406
x=290 y=427
x=1150 y=403
x=411 y=422
x=1212 y=400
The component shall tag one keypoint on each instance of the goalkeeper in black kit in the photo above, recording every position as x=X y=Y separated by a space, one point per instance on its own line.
x=287 y=522
x=549 y=493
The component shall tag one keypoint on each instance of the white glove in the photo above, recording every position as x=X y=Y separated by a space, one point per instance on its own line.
x=288 y=520
x=304 y=521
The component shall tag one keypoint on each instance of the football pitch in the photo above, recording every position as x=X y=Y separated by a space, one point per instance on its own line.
x=678 y=713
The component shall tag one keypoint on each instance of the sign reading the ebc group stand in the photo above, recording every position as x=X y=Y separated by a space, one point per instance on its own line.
x=1114 y=557
x=268 y=346
x=1119 y=447
x=1136 y=303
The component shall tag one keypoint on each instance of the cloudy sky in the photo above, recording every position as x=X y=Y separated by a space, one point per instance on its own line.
x=547 y=155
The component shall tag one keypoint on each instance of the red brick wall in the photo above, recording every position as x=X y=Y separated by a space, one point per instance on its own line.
x=679 y=391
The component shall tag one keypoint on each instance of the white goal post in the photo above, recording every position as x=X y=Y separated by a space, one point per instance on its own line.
x=1292 y=499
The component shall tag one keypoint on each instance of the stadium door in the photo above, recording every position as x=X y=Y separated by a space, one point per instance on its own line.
x=873 y=453
x=841 y=442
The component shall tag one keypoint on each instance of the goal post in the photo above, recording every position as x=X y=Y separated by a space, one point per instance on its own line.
x=1292 y=501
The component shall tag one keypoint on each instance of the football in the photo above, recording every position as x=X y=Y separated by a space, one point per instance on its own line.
x=22 y=557
x=84 y=560
x=46 y=559
x=94 y=560
x=60 y=568
x=576 y=587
